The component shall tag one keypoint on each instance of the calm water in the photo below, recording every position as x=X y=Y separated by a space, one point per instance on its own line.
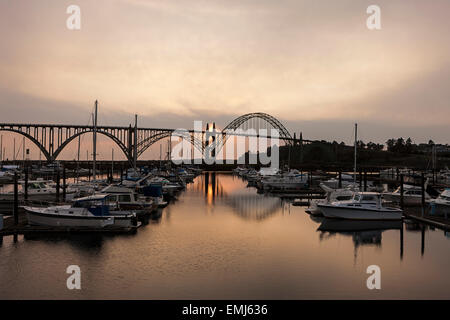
x=222 y=240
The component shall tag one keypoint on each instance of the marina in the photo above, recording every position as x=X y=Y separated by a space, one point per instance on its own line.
x=239 y=159
x=239 y=236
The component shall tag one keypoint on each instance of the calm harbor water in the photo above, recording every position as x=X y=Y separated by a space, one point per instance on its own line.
x=222 y=240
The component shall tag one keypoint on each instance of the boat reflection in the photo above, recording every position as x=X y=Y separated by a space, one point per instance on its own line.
x=363 y=233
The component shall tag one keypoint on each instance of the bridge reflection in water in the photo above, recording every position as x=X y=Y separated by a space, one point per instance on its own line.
x=229 y=190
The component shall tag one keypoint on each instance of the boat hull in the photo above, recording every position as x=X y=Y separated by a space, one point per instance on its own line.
x=337 y=212
x=54 y=220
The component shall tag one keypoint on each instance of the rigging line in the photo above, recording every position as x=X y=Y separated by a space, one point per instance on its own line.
x=18 y=150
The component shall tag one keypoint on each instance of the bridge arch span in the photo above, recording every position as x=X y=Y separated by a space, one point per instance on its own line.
x=109 y=135
x=236 y=123
x=146 y=143
x=32 y=139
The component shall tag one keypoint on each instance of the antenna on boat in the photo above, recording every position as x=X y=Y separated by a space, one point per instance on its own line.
x=94 y=155
x=356 y=147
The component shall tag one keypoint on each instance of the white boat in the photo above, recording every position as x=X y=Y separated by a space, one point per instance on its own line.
x=91 y=212
x=6 y=177
x=40 y=190
x=334 y=183
x=332 y=195
x=125 y=199
x=441 y=205
x=293 y=180
x=363 y=206
x=412 y=195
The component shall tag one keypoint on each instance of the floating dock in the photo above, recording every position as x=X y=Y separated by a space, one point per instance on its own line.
x=435 y=221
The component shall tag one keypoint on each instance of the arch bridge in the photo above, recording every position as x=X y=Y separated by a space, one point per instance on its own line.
x=51 y=139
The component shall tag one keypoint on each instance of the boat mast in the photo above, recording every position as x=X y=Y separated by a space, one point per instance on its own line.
x=78 y=158
x=160 y=155
x=23 y=152
x=94 y=155
x=135 y=143
x=112 y=162
x=14 y=152
x=356 y=147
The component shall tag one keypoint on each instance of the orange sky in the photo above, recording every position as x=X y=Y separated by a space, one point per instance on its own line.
x=308 y=63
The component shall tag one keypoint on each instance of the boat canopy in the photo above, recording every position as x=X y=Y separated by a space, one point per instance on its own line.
x=95 y=197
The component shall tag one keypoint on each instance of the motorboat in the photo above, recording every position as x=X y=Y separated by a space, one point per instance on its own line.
x=154 y=192
x=334 y=183
x=412 y=195
x=363 y=206
x=332 y=195
x=89 y=212
x=6 y=176
x=293 y=180
x=85 y=188
x=40 y=190
x=124 y=199
x=441 y=205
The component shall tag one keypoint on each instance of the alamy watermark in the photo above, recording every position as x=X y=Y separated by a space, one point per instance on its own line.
x=74 y=280
x=73 y=22
x=218 y=147
x=374 y=281
x=374 y=20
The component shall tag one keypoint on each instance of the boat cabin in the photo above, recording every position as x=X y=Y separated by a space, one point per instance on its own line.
x=366 y=198
x=96 y=204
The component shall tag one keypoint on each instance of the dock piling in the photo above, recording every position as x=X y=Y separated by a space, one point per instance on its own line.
x=360 y=179
x=25 y=192
x=64 y=184
x=57 y=185
x=16 y=200
x=340 y=179
x=365 y=180
x=422 y=182
x=402 y=189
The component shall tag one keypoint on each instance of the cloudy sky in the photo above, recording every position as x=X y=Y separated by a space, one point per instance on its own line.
x=314 y=65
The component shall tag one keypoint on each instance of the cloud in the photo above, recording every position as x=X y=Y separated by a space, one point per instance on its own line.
x=173 y=62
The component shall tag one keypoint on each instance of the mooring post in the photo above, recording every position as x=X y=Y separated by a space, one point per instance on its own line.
x=25 y=192
x=360 y=179
x=365 y=180
x=401 y=241
x=423 y=192
x=16 y=200
x=121 y=173
x=401 y=192
x=64 y=183
x=340 y=179
x=57 y=184
x=422 y=247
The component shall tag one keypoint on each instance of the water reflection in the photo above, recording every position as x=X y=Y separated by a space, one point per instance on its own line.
x=85 y=242
x=251 y=206
x=222 y=240
x=231 y=191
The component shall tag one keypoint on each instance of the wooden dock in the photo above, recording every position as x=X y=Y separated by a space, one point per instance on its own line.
x=22 y=228
x=435 y=221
